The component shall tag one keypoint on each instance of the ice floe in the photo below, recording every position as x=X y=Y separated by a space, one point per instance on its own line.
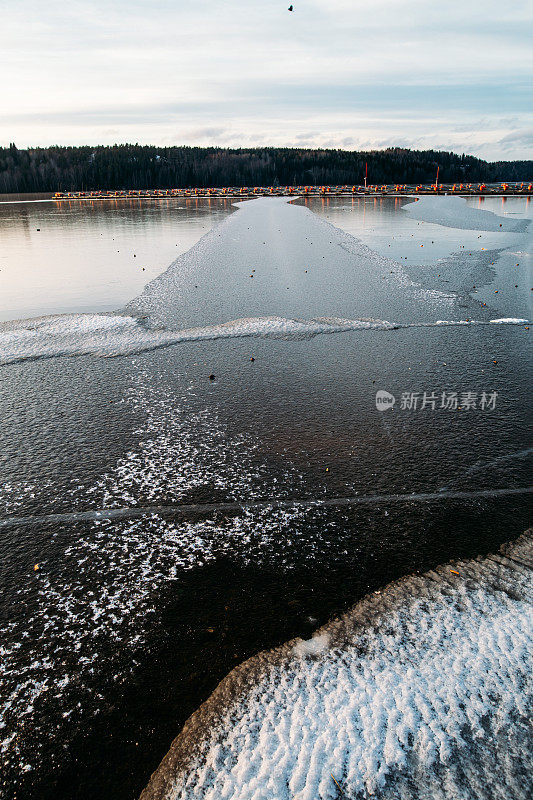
x=422 y=690
x=455 y=212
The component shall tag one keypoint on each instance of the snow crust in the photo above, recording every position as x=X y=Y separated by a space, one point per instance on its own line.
x=509 y=321
x=454 y=212
x=116 y=335
x=421 y=691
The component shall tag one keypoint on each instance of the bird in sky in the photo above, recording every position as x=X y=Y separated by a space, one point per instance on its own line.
x=290 y=8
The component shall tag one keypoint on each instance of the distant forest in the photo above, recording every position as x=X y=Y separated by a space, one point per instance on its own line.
x=132 y=166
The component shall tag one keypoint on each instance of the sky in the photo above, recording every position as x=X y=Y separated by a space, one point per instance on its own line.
x=449 y=75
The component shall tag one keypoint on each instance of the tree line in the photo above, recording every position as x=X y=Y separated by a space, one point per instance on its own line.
x=133 y=166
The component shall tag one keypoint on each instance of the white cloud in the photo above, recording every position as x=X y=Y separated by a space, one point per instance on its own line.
x=208 y=70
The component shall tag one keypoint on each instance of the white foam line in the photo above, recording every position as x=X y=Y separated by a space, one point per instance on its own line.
x=258 y=505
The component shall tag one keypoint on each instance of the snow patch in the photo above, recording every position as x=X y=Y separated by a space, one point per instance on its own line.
x=509 y=321
x=421 y=691
x=312 y=647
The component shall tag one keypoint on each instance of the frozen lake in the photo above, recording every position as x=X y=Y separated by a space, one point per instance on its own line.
x=227 y=395
x=59 y=257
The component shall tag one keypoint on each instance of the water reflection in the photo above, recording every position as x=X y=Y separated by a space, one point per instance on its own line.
x=61 y=256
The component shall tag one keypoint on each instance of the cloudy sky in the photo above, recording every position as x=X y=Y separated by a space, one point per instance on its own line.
x=447 y=74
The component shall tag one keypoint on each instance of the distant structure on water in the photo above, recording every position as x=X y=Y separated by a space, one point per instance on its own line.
x=393 y=190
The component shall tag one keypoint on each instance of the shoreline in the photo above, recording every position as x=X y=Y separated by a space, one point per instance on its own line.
x=294 y=193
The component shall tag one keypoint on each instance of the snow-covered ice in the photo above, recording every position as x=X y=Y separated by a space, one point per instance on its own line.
x=115 y=335
x=422 y=690
x=454 y=212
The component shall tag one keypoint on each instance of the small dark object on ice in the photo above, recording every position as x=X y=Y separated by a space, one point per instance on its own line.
x=252 y=358
x=211 y=377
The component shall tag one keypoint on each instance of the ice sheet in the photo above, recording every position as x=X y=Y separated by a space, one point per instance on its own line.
x=454 y=212
x=345 y=286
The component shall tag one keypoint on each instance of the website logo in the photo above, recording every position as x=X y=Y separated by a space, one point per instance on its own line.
x=384 y=400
